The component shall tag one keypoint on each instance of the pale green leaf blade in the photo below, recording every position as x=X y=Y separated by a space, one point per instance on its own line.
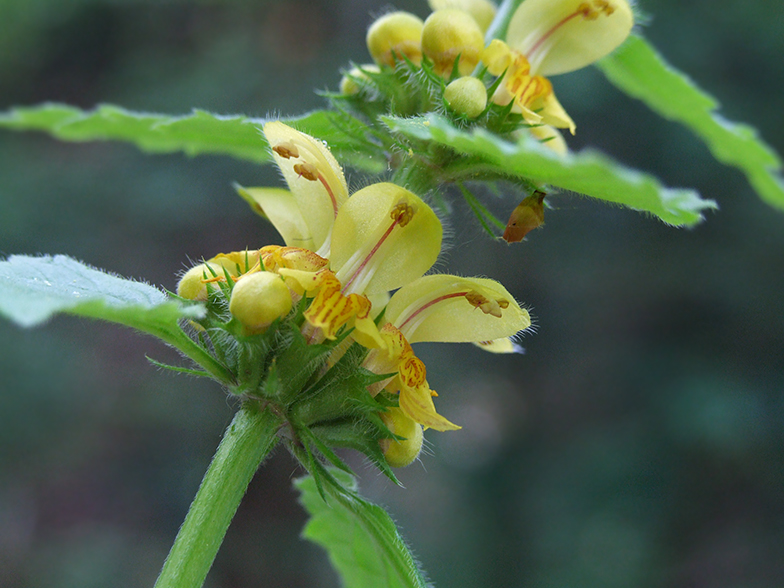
x=33 y=289
x=640 y=71
x=197 y=133
x=360 y=538
x=586 y=172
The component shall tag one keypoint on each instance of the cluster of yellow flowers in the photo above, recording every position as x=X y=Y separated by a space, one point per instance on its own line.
x=344 y=255
x=544 y=38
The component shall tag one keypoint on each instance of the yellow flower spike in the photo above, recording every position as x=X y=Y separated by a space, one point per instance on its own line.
x=482 y=11
x=559 y=36
x=399 y=454
x=384 y=236
x=393 y=36
x=466 y=95
x=450 y=33
x=280 y=208
x=445 y=308
x=258 y=299
x=314 y=177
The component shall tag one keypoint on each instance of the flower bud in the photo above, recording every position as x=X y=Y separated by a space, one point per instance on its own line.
x=393 y=36
x=466 y=95
x=401 y=453
x=448 y=33
x=258 y=299
x=483 y=11
x=349 y=85
x=192 y=286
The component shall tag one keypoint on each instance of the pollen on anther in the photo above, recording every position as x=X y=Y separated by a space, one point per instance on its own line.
x=286 y=150
x=307 y=170
x=402 y=213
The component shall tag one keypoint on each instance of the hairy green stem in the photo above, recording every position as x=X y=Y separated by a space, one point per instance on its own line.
x=246 y=443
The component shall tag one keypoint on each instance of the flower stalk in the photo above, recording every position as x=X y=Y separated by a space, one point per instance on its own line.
x=247 y=442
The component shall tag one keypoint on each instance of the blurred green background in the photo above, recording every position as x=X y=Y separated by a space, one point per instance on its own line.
x=638 y=443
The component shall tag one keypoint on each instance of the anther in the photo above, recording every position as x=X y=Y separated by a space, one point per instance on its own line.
x=307 y=170
x=402 y=213
x=286 y=150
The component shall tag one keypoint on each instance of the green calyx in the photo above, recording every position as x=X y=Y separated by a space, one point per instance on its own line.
x=317 y=390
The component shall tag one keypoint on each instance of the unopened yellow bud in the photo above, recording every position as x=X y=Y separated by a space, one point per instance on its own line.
x=395 y=35
x=467 y=95
x=450 y=33
x=192 y=285
x=483 y=11
x=349 y=84
x=258 y=299
x=401 y=453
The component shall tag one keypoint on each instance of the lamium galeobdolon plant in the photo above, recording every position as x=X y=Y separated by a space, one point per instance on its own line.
x=314 y=337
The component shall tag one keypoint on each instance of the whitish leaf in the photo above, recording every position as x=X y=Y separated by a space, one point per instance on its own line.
x=639 y=70
x=360 y=537
x=33 y=289
x=586 y=172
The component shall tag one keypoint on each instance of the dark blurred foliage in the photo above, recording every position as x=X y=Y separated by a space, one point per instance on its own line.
x=639 y=442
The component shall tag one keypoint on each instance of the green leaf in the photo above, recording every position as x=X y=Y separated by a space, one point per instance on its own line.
x=637 y=69
x=196 y=133
x=586 y=172
x=360 y=537
x=33 y=289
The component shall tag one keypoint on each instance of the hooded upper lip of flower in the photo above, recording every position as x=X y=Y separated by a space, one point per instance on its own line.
x=549 y=37
x=381 y=238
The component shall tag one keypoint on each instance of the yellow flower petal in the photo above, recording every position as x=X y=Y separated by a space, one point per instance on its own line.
x=558 y=36
x=417 y=404
x=280 y=207
x=503 y=345
x=551 y=138
x=497 y=56
x=314 y=177
x=453 y=309
x=384 y=237
x=553 y=113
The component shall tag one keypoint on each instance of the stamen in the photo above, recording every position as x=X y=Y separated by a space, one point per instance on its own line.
x=286 y=150
x=429 y=304
x=492 y=307
x=401 y=214
x=307 y=170
x=585 y=10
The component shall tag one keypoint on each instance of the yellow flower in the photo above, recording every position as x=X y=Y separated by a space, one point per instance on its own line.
x=383 y=237
x=549 y=37
x=439 y=308
x=305 y=213
x=380 y=239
